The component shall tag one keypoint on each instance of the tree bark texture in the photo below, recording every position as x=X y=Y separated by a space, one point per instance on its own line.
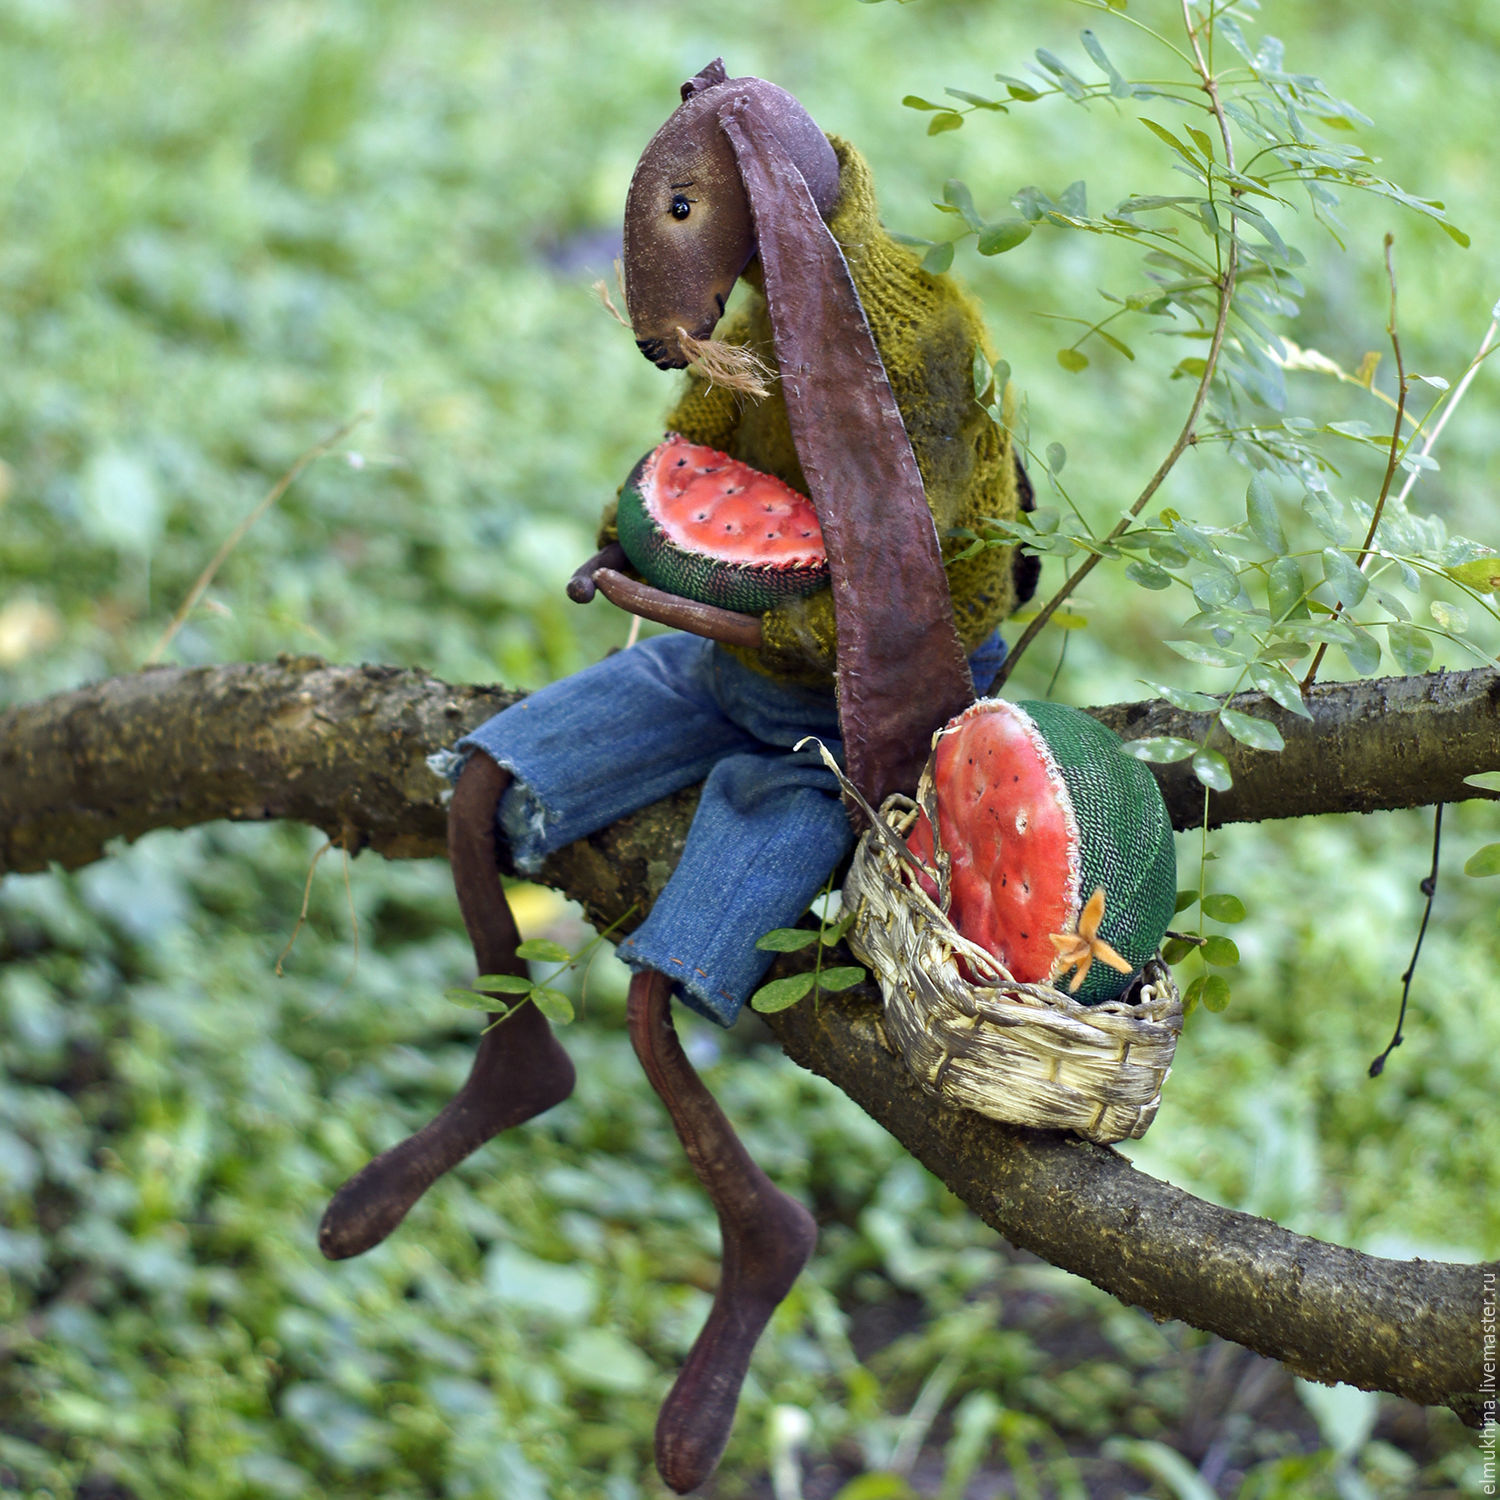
x=344 y=749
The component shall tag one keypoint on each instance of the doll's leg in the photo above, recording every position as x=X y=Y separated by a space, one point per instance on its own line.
x=767 y=1236
x=520 y=1068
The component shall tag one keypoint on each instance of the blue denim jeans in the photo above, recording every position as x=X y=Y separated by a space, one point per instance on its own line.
x=665 y=714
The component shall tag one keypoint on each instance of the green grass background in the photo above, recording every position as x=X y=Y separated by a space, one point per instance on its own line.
x=224 y=230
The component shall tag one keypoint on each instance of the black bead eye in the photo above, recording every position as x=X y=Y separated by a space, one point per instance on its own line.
x=681 y=207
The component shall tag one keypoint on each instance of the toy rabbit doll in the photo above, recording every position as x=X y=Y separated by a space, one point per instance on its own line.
x=870 y=412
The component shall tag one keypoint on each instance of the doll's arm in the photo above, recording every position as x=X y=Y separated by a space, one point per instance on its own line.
x=603 y=573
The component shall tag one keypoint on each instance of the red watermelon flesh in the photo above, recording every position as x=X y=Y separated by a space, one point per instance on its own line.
x=1009 y=830
x=706 y=501
x=703 y=525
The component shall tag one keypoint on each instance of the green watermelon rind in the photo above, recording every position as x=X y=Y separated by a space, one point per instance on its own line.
x=696 y=575
x=1126 y=840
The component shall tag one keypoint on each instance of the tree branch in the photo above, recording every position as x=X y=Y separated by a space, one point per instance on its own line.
x=344 y=748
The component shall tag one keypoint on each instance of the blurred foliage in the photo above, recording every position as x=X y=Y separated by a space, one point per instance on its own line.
x=230 y=229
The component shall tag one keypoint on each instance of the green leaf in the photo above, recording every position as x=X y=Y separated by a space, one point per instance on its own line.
x=1057 y=456
x=1148 y=575
x=1018 y=88
x=1216 y=993
x=1214 y=588
x=881 y=1485
x=1072 y=360
x=1486 y=781
x=1192 y=994
x=1224 y=908
x=837 y=931
x=984 y=376
x=957 y=195
x=786 y=939
x=1260 y=509
x=1162 y=133
x=979 y=101
x=1074 y=201
x=471 y=1000
x=1482 y=574
x=1449 y=616
x=938 y=259
x=1286 y=590
x=1198 y=544
x=1326 y=512
x=840 y=977
x=1174 y=950
x=1361 y=650
x=1184 y=900
x=1344 y=576
x=1202 y=141
x=553 y=1004
x=1189 y=703
x=1279 y=684
x=948 y=120
x=1212 y=770
x=916 y=101
x=1485 y=861
x=1206 y=656
x=1067 y=80
x=1221 y=952
x=1411 y=648
x=1118 y=88
x=1159 y=749
x=781 y=994
x=544 y=950
x=502 y=984
x=1259 y=734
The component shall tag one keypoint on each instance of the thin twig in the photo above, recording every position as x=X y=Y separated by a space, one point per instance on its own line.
x=1487 y=347
x=306 y=899
x=1200 y=396
x=1393 y=458
x=1428 y=889
x=353 y=916
x=235 y=537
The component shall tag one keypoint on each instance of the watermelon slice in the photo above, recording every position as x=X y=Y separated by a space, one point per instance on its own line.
x=699 y=524
x=1038 y=811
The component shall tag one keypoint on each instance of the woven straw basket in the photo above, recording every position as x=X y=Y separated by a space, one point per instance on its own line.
x=1024 y=1053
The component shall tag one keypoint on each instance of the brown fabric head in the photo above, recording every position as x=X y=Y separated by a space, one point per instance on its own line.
x=688 y=226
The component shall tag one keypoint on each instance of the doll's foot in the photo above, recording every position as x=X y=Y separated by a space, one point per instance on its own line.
x=520 y=1071
x=696 y=1418
x=767 y=1236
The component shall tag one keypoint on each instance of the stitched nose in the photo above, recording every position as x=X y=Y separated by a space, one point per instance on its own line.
x=656 y=351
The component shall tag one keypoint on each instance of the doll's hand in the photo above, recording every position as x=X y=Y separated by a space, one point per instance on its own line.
x=650 y=603
x=581 y=584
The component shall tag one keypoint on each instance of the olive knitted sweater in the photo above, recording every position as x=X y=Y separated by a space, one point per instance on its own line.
x=927 y=331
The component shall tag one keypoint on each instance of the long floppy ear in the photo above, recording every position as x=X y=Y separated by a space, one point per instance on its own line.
x=901 y=668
